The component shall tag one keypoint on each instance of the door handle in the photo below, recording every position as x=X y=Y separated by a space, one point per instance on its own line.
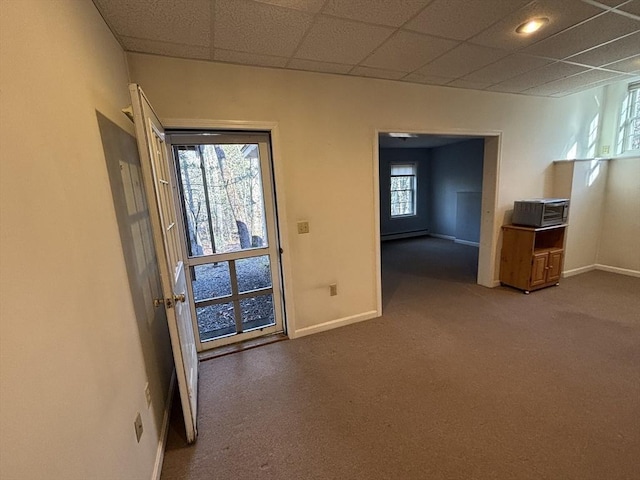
x=181 y=297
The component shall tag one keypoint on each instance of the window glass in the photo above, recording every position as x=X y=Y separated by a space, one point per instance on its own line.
x=629 y=132
x=403 y=190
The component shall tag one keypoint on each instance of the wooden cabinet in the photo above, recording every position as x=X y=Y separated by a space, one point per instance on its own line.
x=531 y=258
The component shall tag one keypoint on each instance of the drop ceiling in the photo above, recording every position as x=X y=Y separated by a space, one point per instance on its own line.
x=468 y=44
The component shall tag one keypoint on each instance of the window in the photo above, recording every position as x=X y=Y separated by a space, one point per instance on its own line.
x=403 y=190
x=629 y=131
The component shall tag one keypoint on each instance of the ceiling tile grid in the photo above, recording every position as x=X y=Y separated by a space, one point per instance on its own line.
x=253 y=27
x=408 y=51
x=341 y=41
x=460 y=43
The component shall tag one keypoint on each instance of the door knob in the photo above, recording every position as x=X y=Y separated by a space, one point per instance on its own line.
x=179 y=298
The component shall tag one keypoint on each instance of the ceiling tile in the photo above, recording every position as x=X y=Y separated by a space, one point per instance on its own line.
x=426 y=79
x=165 y=48
x=461 y=19
x=408 y=51
x=313 y=66
x=253 y=27
x=462 y=60
x=381 y=12
x=459 y=83
x=172 y=22
x=596 y=31
x=377 y=73
x=631 y=7
x=505 y=88
x=341 y=41
x=506 y=68
x=248 y=58
x=561 y=15
x=607 y=3
x=571 y=83
x=628 y=65
x=609 y=52
x=540 y=76
x=312 y=6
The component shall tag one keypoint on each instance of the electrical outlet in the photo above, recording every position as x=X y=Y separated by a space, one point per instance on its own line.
x=147 y=394
x=303 y=227
x=137 y=424
x=333 y=289
x=605 y=149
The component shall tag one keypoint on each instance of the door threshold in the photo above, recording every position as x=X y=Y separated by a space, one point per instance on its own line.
x=241 y=346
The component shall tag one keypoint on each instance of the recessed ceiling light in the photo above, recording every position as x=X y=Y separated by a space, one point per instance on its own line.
x=402 y=135
x=532 y=25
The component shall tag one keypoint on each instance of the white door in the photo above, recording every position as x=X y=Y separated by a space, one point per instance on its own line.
x=229 y=229
x=159 y=182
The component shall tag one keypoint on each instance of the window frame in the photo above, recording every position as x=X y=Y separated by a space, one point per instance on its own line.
x=628 y=116
x=413 y=189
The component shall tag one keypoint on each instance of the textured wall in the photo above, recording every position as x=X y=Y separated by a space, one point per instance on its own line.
x=75 y=350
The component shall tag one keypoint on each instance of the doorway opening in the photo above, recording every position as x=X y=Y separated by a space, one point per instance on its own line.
x=437 y=197
x=227 y=204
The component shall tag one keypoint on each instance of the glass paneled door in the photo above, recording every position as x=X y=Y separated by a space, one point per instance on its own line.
x=228 y=214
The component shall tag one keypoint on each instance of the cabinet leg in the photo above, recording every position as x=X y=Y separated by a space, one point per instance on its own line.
x=526 y=292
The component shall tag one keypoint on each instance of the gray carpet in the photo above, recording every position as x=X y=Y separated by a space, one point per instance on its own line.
x=455 y=381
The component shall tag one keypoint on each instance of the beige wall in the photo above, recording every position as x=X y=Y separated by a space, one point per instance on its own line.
x=621 y=217
x=326 y=128
x=72 y=349
x=587 y=196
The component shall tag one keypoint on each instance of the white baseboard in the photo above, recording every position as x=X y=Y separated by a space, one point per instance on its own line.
x=395 y=236
x=578 y=271
x=598 y=266
x=467 y=242
x=340 y=322
x=445 y=237
x=162 y=443
x=621 y=271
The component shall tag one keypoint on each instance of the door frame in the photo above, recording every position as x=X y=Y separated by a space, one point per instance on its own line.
x=282 y=228
x=489 y=222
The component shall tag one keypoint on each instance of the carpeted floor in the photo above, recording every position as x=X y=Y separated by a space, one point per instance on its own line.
x=455 y=381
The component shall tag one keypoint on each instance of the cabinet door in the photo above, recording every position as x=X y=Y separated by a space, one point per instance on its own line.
x=555 y=266
x=539 y=269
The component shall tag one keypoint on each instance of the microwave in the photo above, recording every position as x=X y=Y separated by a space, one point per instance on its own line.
x=540 y=212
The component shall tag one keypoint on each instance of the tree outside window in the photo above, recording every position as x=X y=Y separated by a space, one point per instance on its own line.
x=403 y=190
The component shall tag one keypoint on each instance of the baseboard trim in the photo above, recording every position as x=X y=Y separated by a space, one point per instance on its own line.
x=164 y=432
x=621 y=271
x=445 y=237
x=467 y=242
x=340 y=322
x=578 y=271
x=604 y=268
x=395 y=236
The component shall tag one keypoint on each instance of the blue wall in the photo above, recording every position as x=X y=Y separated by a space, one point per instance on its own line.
x=454 y=169
x=449 y=183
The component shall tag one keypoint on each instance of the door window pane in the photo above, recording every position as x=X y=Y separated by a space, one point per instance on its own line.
x=253 y=273
x=223 y=204
x=257 y=312
x=211 y=281
x=216 y=321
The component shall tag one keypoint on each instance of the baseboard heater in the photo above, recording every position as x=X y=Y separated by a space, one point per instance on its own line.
x=394 y=236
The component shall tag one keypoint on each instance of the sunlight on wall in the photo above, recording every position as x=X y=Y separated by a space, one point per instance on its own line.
x=573 y=152
x=594 y=171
